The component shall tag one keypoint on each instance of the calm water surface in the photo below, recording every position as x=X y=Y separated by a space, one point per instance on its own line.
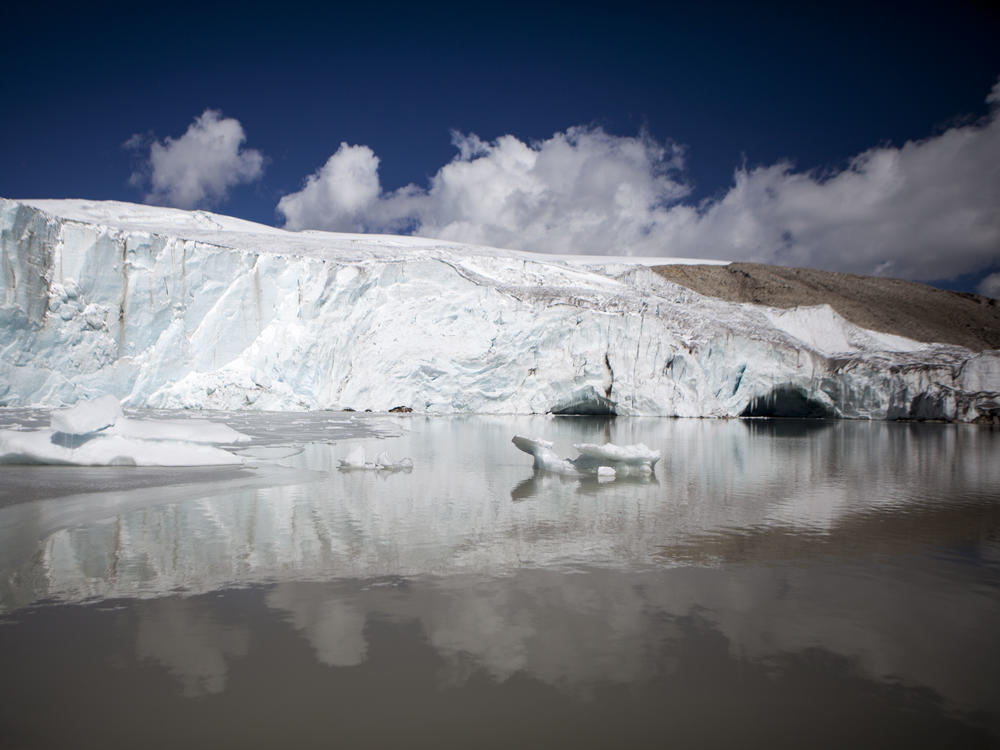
x=775 y=583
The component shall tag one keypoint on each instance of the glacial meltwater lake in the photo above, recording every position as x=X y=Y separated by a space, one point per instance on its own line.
x=774 y=583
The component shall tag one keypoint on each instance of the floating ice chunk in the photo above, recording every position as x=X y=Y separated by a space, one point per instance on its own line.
x=546 y=459
x=271 y=452
x=102 y=449
x=531 y=445
x=605 y=474
x=105 y=414
x=187 y=430
x=356 y=460
x=87 y=416
x=620 y=459
x=632 y=455
x=382 y=461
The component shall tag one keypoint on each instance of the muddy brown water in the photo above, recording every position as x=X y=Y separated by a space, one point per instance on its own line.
x=787 y=583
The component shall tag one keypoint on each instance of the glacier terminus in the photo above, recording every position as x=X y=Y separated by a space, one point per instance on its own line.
x=165 y=308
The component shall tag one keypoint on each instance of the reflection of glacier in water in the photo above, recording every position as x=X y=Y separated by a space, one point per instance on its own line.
x=757 y=547
x=453 y=513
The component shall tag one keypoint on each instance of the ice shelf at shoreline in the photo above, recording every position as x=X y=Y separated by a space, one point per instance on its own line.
x=97 y=433
x=185 y=309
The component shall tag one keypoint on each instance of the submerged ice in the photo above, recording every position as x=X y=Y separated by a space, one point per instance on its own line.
x=178 y=309
x=97 y=433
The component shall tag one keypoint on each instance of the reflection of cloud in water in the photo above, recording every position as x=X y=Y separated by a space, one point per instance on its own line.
x=581 y=630
x=575 y=631
x=189 y=643
x=592 y=660
x=915 y=628
x=584 y=629
x=333 y=626
x=804 y=528
x=483 y=625
x=572 y=630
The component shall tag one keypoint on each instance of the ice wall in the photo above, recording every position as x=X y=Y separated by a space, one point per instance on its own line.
x=168 y=308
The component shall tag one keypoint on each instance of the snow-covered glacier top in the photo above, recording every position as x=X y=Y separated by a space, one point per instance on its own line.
x=169 y=308
x=239 y=234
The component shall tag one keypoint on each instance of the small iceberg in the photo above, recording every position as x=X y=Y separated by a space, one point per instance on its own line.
x=606 y=462
x=356 y=460
x=97 y=433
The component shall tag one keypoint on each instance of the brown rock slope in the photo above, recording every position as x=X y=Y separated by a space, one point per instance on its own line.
x=904 y=308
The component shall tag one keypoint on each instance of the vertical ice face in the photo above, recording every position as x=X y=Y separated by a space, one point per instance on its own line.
x=163 y=308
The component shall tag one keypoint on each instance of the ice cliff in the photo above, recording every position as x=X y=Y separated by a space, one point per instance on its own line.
x=169 y=308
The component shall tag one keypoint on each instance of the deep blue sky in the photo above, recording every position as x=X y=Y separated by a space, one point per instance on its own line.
x=735 y=84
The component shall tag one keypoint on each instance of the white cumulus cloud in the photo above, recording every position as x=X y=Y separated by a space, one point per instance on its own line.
x=929 y=209
x=198 y=168
x=990 y=286
x=339 y=196
x=579 y=191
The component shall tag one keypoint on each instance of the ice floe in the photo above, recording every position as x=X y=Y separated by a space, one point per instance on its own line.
x=97 y=433
x=88 y=416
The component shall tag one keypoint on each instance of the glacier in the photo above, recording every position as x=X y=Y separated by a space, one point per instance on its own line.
x=165 y=308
